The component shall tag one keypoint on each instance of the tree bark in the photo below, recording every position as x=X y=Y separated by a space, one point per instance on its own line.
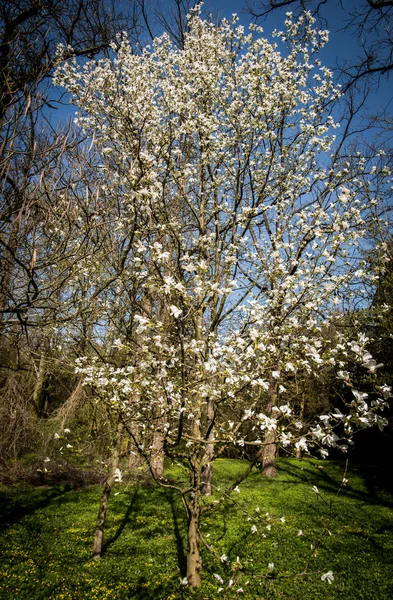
x=207 y=471
x=194 y=561
x=8 y=264
x=39 y=400
x=157 y=453
x=269 y=450
x=135 y=459
x=100 y=525
x=269 y=455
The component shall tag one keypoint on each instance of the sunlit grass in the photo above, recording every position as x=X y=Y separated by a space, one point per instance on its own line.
x=46 y=538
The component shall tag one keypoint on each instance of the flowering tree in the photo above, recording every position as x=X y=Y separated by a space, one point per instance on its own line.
x=245 y=228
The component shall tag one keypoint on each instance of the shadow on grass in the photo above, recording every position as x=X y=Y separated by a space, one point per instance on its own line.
x=374 y=543
x=141 y=592
x=134 y=506
x=372 y=478
x=17 y=507
x=378 y=479
x=181 y=555
x=127 y=517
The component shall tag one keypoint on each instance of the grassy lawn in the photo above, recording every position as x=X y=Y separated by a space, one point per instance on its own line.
x=46 y=538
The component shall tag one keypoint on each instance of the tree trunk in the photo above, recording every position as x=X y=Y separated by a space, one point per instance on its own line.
x=99 y=532
x=270 y=447
x=135 y=460
x=207 y=472
x=157 y=453
x=207 y=477
x=194 y=561
x=39 y=400
x=269 y=455
x=8 y=264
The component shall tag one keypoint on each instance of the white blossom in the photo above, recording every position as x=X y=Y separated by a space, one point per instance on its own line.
x=175 y=311
x=118 y=476
x=328 y=577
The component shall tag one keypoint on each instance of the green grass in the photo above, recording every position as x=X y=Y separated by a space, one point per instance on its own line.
x=46 y=539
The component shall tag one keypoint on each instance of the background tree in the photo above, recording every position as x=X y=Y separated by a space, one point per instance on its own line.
x=31 y=151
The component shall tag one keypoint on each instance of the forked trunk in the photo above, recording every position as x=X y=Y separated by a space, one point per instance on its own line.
x=100 y=525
